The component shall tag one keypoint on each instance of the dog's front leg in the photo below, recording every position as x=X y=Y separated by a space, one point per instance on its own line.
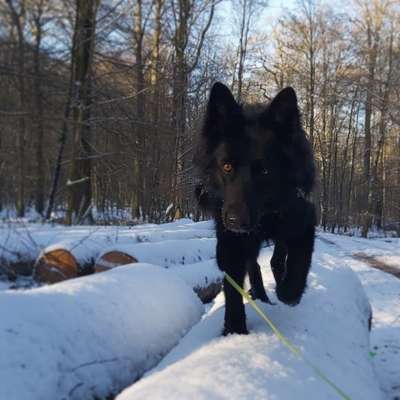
x=257 y=290
x=233 y=253
x=235 y=318
x=278 y=261
x=291 y=288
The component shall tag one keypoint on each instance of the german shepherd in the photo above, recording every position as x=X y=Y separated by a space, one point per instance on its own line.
x=256 y=170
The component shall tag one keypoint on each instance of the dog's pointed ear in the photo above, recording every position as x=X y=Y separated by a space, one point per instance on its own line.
x=221 y=107
x=283 y=111
x=221 y=99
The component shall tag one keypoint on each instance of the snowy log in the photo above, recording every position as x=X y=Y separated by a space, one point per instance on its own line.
x=19 y=267
x=55 y=266
x=111 y=259
x=330 y=326
x=21 y=245
x=18 y=252
x=203 y=276
x=167 y=253
x=181 y=257
x=92 y=336
x=67 y=259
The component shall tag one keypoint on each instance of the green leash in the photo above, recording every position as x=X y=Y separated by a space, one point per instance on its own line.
x=295 y=350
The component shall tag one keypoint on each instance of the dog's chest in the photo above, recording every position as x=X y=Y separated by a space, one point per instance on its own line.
x=269 y=226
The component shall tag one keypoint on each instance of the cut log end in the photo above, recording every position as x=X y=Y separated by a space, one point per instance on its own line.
x=13 y=270
x=56 y=266
x=113 y=259
x=209 y=292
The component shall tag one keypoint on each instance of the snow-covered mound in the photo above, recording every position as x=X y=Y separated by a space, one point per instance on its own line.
x=91 y=336
x=330 y=326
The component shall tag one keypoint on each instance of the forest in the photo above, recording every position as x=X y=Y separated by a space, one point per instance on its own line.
x=101 y=102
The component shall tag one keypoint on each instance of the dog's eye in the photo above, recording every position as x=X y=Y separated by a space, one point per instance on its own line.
x=227 y=167
x=264 y=171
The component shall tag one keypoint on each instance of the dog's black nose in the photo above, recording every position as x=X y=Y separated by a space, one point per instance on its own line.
x=232 y=219
x=234 y=223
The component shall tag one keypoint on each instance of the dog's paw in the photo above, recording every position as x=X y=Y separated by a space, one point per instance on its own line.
x=289 y=295
x=230 y=330
x=262 y=296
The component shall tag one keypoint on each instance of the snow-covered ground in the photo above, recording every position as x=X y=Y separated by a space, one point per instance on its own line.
x=329 y=324
x=383 y=291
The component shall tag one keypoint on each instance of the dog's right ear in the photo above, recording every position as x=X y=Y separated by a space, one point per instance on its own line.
x=221 y=107
x=283 y=111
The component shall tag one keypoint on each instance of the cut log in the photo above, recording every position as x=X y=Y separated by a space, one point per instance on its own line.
x=208 y=293
x=113 y=259
x=90 y=337
x=203 y=277
x=67 y=259
x=167 y=253
x=56 y=266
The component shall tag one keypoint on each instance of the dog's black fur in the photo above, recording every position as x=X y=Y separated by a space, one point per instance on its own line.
x=256 y=169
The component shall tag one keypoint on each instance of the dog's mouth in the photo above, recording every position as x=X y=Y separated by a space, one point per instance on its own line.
x=235 y=225
x=238 y=230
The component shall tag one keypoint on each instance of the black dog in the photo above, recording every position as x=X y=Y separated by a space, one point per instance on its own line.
x=256 y=168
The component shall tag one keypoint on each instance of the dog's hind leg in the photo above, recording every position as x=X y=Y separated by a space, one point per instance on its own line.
x=290 y=289
x=257 y=290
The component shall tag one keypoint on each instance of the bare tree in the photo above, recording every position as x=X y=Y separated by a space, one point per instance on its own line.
x=18 y=16
x=80 y=190
x=246 y=12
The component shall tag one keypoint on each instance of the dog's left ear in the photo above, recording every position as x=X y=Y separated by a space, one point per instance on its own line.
x=283 y=111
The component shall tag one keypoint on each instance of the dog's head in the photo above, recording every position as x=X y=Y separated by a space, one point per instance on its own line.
x=250 y=154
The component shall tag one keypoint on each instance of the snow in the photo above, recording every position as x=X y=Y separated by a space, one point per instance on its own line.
x=91 y=336
x=4 y=285
x=383 y=291
x=330 y=326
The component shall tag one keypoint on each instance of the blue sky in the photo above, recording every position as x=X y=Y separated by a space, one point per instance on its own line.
x=271 y=13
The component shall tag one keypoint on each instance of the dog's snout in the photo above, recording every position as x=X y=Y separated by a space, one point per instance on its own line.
x=231 y=218
x=236 y=221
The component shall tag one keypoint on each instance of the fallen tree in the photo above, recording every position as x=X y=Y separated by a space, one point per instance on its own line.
x=90 y=337
x=191 y=259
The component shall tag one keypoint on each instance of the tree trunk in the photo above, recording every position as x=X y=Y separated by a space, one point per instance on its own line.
x=18 y=19
x=372 y=42
x=79 y=183
x=243 y=39
x=38 y=118
x=138 y=167
x=154 y=147
x=179 y=101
